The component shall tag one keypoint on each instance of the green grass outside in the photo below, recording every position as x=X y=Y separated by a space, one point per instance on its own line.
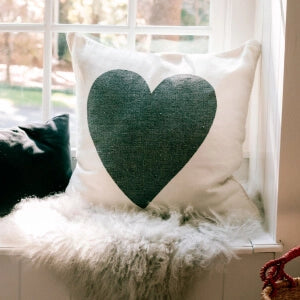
x=31 y=96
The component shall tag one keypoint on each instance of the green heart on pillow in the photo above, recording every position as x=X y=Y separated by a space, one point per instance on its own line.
x=143 y=138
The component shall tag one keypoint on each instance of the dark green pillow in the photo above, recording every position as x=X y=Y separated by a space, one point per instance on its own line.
x=34 y=161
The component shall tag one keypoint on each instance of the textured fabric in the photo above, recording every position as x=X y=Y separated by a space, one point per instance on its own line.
x=119 y=254
x=144 y=138
x=205 y=182
x=34 y=161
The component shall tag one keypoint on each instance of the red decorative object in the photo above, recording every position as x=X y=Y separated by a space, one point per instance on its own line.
x=273 y=271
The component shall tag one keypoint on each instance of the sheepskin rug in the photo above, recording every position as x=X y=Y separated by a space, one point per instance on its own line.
x=122 y=253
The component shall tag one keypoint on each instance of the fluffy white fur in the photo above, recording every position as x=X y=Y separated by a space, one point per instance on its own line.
x=121 y=253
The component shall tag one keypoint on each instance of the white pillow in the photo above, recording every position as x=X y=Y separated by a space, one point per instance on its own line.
x=163 y=129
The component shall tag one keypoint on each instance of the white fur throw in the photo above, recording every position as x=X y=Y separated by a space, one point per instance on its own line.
x=121 y=254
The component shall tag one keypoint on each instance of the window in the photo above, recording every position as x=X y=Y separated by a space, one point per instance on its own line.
x=36 y=79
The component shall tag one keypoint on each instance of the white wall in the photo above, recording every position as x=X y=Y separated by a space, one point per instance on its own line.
x=289 y=168
x=237 y=281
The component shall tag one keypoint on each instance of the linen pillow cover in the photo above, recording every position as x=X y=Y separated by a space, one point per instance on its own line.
x=34 y=161
x=161 y=129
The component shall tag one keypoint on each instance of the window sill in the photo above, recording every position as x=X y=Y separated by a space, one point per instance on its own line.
x=262 y=244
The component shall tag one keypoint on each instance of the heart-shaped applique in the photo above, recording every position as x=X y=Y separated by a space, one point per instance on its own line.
x=144 y=139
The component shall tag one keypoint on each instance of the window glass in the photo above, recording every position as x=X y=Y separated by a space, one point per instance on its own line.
x=174 y=12
x=22 y=11
x=105 y=12
x=172 y=43
x=21 y=77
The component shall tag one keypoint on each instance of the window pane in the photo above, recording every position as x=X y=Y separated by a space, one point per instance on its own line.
x=105 y=12
x=63 y=81
x=21 y=78
x=172 y=43
x=173 y=12
x=22 y=11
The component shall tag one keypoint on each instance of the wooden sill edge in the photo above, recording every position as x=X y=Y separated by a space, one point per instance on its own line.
x=246 y=248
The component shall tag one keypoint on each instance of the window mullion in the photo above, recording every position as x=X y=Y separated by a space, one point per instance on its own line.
x=46 y=101
x=28 y=27
x=174 y=30
x=218 y=24
x=132 y=9
x=92 y=28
